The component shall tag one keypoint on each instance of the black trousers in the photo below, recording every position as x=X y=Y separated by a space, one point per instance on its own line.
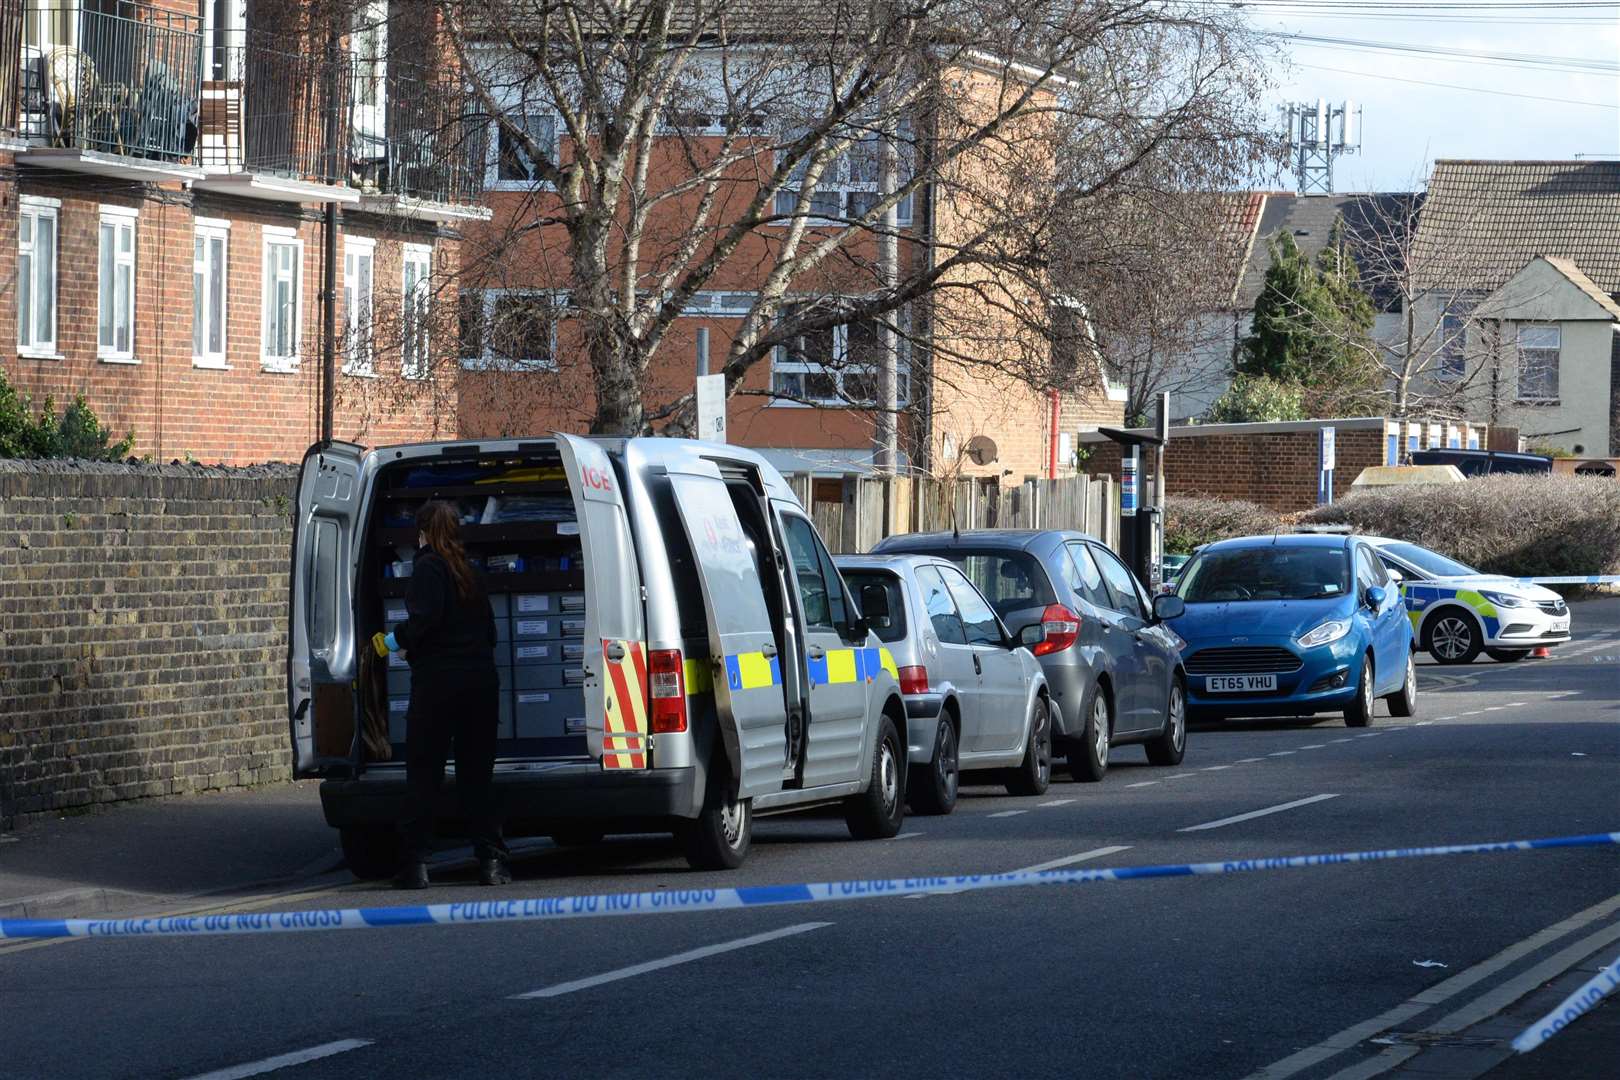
x=458 y=709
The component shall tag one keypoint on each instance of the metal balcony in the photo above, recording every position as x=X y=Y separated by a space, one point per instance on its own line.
x=11 y=34
x=276 y=119
x=113 y=92
x=416 y=149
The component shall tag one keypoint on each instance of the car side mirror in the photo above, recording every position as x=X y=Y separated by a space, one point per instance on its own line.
x=1394 y=575
x=1375 y=596
x=1168 y=606
x=875 y=604
x=1032 y=635
x=859 y=628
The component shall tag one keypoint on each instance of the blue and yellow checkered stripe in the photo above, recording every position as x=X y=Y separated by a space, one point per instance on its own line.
x=754 y=670
x=1419 y=598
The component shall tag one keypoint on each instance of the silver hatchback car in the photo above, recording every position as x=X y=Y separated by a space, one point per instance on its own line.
x=975 y=697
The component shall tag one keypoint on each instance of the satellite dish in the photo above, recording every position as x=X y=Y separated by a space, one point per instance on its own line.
x=981 y=450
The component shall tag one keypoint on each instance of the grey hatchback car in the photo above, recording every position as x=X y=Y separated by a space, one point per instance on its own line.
x=975 y=697
x=1113 y=667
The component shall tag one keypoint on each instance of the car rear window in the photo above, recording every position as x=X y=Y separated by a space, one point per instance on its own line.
x=893 y=627
x=1010 y=580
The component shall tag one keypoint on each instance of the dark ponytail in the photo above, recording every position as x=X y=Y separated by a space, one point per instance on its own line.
x=441 y=524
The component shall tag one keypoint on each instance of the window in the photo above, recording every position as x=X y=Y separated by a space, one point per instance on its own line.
x=283 y=299
x=513 y=165
x=849 y=183
x=940 y=607
x=1263 y=573
x=115 y=285
x=1453 y=347
x=977 y=618
x=1538 y=363
x=869 y=584
x=1369 y=571
x=510 y=329
x=36 y=275
x=208 y=269
x=839 y=365
x=1011 y=580
x=1127 y=598
x=814 y=597
x=369 y=43
x=1085 y=578
x=416 y=309
x=358 y=261
x=724 y=305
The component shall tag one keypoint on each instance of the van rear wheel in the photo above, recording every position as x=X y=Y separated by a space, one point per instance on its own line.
x=372 y=854
x=877 y=812
x=718 y=838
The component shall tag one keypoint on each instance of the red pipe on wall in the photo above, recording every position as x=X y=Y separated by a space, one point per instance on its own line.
x=1052 y=439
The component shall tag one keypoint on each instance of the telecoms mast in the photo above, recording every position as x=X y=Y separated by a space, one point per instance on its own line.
x=1317 y=133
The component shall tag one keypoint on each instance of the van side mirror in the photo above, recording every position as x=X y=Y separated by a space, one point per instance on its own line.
x=1168 y=606
x=875 y=605
x=1032 y=635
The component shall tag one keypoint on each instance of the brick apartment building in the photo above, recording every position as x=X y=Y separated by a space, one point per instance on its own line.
x=164 y=169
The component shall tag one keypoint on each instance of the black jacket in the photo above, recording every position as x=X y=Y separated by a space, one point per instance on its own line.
x=443 y=631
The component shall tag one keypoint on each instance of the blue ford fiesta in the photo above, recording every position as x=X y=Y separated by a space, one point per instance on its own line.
x=1294 y=626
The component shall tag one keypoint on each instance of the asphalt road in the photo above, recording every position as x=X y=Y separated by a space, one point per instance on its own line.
x=1174 y=977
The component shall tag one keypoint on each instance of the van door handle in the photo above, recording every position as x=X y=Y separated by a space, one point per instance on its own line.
x=978 y=669
x=767 y=650
x=615 y=651
x=817 y=653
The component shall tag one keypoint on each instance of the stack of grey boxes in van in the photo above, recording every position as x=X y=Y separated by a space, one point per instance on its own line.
x=539 y=652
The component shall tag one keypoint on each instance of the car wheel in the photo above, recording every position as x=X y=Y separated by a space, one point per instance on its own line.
x=718 y=838
x=1507 y=656
x=877 y=812
x=1088 y=755
x=1359 y=713
x=1404 y=701
x=1171 y=744
x=1034 y=773
x=372 y=854
x=931 y=788
x=1453 y=637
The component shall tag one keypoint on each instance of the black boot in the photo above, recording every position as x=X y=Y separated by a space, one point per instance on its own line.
x=413 y=875
x=494 y=871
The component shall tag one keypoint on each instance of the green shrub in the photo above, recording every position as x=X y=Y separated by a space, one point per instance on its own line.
x=1192 y=520
x=1522 y=526
x=77 y=433
x=1257 y=399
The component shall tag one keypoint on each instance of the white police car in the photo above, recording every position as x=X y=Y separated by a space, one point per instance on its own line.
x=1458 y=612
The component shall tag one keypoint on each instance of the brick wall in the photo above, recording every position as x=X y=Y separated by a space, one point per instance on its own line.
x=1275 y=469
x=142 y=631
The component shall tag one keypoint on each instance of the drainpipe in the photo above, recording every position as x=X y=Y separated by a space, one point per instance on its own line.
x=1052 y=437
x=329 y=232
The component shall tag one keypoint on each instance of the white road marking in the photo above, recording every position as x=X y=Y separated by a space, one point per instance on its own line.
x=1281 y=753
x=282 y=1061
x=1370 y=735
x=1476 y=712
x=1010 y=813
x=1070 y=860
x=1420 y=723
x=1142 y=783
x=1252 y=814
x=1056 y=802
x=905 y=836
x=670 y=961
x=1495 y=708
x=1516 y=704
x=1314 y=746
x=1445 y=990
x=1214 y=768
x=1340 y=740
x=1248 y=760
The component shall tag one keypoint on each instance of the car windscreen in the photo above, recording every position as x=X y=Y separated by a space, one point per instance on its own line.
x=890 y=627
x=1430 y=562
x=1010 y=580
x=1265 y=573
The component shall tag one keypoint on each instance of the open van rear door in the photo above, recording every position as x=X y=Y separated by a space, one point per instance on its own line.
x=742 y=645
x=321 y=649
x=615 y=629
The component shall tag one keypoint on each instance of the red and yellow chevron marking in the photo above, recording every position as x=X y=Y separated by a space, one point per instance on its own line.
x=624 y=694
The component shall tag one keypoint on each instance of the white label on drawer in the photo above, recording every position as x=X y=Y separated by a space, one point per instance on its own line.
x=533 y=627
x=533 y=697
x=574 y=725
x=529 y=605
x=531 y=652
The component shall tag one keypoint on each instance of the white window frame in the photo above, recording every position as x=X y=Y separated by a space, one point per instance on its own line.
x=208 y=230
x=487 y=359
x=492 y=162
x=369 y=43
x=1521 y=351
x=837 y=178
x=416 y=302
x=280 y=236
x=35 y=208
x=119 y=218
x=359 y=346
x=720 y=304
x=782 y=361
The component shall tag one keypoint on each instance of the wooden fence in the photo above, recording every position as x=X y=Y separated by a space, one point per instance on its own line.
x=875 y=507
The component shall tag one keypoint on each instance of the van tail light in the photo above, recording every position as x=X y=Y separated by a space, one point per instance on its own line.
x=666 y=676
x=914 y=680
x=1062 y=627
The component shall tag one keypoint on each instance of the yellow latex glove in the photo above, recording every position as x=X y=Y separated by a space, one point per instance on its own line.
x=379 y=642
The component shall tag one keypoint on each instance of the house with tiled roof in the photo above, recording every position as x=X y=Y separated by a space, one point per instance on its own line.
x=1518 y=265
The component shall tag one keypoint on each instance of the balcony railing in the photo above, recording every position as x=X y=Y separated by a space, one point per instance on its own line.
x=11 y=31
x=276 y=106
x=415 y=136
x=119 y=81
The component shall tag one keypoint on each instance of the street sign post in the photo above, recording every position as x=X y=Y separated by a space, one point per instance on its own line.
x=1324 y=475
x=1129 y=469
x=711 y=408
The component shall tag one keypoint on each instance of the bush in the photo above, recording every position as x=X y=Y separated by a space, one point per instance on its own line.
x=1193 y=520
x=75 y=434
x=1521 y=526
x=1257 y=399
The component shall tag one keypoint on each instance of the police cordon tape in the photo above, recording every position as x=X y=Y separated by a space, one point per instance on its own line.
x=1577 y=1004
x=552 y=908
x=1594 y=579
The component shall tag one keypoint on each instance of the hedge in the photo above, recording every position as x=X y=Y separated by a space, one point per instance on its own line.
x=1193 y=520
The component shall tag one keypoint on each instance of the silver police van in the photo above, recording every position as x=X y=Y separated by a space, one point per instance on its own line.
x=677 y=650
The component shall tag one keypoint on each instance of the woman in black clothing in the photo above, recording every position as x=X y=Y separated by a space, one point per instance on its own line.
x=449 y=640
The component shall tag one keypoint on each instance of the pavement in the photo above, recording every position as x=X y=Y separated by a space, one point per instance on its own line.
x=1421 y=968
